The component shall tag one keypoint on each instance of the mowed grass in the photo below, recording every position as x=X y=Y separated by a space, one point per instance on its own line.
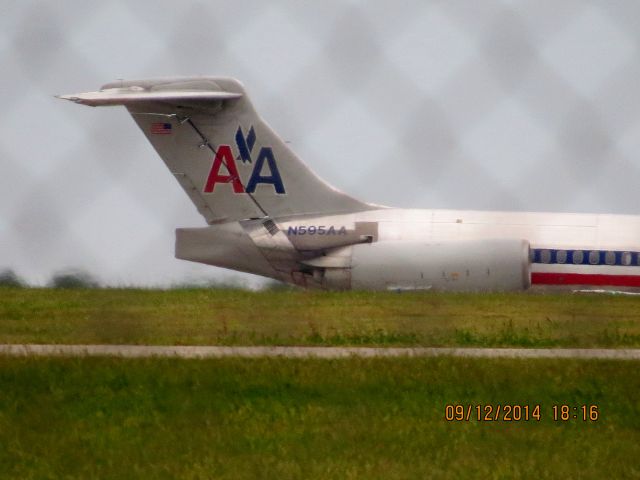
x=325 y=419
x=238 y=317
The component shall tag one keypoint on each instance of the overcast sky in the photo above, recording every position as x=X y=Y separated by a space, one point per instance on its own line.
x=499 y=105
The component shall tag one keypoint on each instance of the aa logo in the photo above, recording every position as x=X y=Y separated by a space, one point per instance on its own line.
x=225 y=169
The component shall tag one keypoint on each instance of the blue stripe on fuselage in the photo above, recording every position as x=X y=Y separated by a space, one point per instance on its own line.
x=623 y=258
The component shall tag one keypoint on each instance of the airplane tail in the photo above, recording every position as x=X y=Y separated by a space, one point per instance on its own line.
x=226 y=158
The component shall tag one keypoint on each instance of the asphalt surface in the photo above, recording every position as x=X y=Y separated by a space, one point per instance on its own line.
x=139 y=351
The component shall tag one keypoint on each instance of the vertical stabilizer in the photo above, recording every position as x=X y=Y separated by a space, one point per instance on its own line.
x=225 y=157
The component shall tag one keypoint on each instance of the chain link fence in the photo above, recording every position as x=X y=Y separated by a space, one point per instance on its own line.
x=505 y=105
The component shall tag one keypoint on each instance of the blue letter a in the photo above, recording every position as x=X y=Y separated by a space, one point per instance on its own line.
x=274 y=179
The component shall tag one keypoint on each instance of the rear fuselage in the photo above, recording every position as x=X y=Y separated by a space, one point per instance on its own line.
x=565 y=250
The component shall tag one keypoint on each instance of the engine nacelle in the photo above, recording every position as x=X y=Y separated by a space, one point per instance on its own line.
x=485 y=265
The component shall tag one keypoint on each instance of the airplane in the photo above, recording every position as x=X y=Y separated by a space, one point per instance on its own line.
x=268 y=214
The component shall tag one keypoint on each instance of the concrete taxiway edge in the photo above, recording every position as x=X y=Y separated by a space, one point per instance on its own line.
x=140 y=351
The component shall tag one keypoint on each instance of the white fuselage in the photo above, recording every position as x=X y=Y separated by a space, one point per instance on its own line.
x=566 y=249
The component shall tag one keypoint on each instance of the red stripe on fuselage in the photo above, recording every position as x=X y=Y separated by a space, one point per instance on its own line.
x=551 y=278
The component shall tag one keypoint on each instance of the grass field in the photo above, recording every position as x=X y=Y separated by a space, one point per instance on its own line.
x=238 y=317
x=287 y=418
x=278 y=418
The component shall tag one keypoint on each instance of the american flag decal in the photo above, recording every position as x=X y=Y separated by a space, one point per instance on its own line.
x=161 y=128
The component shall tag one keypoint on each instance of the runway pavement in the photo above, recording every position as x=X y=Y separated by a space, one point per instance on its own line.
x=139 y=351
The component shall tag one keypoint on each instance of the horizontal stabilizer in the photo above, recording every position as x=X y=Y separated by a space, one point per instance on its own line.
x=127 y=96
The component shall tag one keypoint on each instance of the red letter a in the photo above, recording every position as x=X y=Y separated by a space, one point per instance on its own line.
x=224 y=157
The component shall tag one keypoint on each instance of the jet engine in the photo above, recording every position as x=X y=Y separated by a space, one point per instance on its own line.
x=485 y=265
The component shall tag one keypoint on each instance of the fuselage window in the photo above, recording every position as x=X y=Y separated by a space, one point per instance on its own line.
x=561 y=256
x=578 y=257
x=610 y=258
x=545 y=256
x=626 y=258
x=594 y=257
